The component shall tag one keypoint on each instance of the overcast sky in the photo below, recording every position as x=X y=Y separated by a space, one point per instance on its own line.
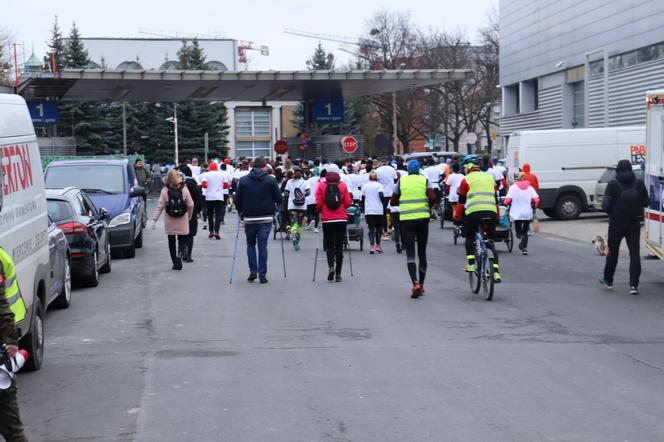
x=261 y=21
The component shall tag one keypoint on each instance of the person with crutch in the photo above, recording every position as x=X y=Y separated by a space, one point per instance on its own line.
x=332 y=200
x=257 y=198
x=415 y=199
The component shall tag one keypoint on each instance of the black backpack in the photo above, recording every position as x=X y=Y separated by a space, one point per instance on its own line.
x=175 y=205
x=298 y=197
x=332 y=196
x=629 y=202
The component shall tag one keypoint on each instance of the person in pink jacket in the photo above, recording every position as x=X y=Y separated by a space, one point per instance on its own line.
x=332 y=206
x=176 y=218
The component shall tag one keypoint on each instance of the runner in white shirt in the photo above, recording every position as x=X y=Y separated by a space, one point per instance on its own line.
x=387 y=175
x=214 y=182
x=395 y=213
x=522 y=200
x=195 y=168
x=296 y=192
x=313 y=217
x=453 y=181
x=374 y=212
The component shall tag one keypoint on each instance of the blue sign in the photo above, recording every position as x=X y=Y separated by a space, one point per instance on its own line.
x=44 y=112
x=329 y=111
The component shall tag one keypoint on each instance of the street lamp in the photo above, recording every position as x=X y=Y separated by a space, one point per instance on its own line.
x=174 y=120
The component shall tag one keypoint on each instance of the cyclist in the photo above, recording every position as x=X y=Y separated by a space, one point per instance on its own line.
x=477 y=201
x=296 y=193
x=414 y=198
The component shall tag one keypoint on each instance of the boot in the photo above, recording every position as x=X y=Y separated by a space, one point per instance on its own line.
x=177 y=263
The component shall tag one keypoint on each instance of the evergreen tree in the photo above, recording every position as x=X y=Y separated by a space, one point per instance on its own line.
x=321 y=60
x=197 y=57
x=75 y=55
x=184 y=55
x=56 y=49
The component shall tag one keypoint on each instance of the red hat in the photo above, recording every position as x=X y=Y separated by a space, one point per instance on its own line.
x=213 y=167
x=227 y=161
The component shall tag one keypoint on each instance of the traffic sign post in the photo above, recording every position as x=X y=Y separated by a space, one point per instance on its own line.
x=349 y=144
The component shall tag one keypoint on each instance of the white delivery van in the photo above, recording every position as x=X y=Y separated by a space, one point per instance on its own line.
x=654 y=175
x=569 y=162
x=24 y=219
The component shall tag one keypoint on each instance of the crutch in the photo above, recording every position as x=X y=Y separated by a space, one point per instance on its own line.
x=281 y=234
x=316 y=258
x=237 y=238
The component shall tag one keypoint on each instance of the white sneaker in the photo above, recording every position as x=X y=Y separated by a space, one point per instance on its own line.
x=315 y=230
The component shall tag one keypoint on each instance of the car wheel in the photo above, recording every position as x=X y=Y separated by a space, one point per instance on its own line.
x=106 y=268
x=139 y=240
x=92 y=280
x=33 y=342
x=64 y=297
x=568 y=207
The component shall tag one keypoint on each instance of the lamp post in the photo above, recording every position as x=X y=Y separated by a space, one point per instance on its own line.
x=174 y=120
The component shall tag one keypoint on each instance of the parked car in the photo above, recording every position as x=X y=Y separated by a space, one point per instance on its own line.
x=608 y=175
x=111 y=184
x=87 y=232
x=60 y=260
x=23 y=220
x=429 y=156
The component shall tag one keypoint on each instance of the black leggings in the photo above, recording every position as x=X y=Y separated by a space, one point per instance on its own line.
x=411 y=231
x=215 y=214
x=473 y=222
x=313 y=215
x=189 y=239
x=181 y=240
x=375 y=223
x=394 y=216
x=334 y=234
x=631 y=231
x=521 y=227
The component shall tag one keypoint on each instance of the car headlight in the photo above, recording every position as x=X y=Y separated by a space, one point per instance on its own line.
x=121 y=219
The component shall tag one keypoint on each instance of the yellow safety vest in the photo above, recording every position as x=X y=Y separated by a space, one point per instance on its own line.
x=482 y=194
x=10 y=286
x=413 y=200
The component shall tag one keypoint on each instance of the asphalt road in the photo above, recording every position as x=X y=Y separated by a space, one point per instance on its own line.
x=158 y=355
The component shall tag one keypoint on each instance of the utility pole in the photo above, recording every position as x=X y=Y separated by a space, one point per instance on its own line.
x=174 y=120
x=206 y=142
x=395 y=141
x=124 y=128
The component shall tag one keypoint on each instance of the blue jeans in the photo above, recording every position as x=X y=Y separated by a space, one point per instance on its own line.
x=257 y=232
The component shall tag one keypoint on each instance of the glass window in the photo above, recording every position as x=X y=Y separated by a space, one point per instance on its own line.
x=252 y=123
x=59 y=210
x=615 y=62
x=252 y=149
x=579 y=104
x=597 y=67
x=647 y=54
x=262 y=123
x=629 y=59
x=243 y=124
x=104 y=178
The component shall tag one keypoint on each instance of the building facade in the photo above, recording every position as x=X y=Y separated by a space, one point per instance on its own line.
x=574 y=64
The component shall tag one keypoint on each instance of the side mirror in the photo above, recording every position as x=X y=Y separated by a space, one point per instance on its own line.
x=103 y=213
x=137 y=191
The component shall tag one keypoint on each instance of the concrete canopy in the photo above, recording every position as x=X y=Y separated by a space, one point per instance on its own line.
x=177 y=86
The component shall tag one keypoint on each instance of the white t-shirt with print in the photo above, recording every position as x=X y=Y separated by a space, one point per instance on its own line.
x=373 y=205
x=291 y=186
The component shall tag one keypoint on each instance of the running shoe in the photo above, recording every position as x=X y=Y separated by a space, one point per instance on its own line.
x=372 y=250
x=315 y=230
x=330 y=274
x=606 y=284
x=470 y=268
x=633 y=290
x=416 y=291
x=524 y=252
x=296 y=241
x=379 y=249
x=338 y=278
x=496 y=278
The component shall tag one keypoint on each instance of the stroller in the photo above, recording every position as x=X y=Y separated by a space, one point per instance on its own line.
x=504 y=229
x=354 y=229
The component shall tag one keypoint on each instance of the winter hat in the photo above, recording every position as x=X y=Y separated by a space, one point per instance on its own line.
x=623 y=166
x=413 y=167
x=213 y=167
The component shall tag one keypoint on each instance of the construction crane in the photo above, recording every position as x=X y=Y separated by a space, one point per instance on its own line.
x=327 y=37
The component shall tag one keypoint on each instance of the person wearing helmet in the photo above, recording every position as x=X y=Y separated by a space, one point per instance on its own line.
x=477 y=201
x=414 y=198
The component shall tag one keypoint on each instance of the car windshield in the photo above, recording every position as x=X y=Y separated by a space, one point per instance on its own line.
x=91 y=178
x=59 y=210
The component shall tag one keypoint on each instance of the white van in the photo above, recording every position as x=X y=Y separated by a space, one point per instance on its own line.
x=24 y=219
x=654 y=178
x=569 y=162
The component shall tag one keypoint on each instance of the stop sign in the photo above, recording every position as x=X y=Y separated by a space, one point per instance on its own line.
x=281 y=147
x=349 y=144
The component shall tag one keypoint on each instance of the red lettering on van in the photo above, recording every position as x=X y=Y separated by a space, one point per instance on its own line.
x=16 y=168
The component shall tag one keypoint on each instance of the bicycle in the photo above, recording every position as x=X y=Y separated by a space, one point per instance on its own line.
x=483 y=276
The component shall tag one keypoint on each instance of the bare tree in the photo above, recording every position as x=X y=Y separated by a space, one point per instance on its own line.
x=5 y=55
x=487 y=63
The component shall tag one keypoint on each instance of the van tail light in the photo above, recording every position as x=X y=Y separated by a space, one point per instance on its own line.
x=73 y=228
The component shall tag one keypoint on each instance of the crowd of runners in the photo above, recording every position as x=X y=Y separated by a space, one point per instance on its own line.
x=396 y=199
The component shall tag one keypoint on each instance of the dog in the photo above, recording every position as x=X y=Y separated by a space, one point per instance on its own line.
x=600 y=245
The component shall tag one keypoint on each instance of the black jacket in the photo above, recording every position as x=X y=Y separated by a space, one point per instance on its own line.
x=624 y=180
x=257 y=194
x=195 y=193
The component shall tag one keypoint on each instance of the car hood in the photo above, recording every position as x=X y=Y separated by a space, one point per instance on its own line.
x=115 y=204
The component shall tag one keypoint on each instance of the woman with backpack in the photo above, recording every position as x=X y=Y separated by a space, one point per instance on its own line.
x=176 y=201
x=332 y=200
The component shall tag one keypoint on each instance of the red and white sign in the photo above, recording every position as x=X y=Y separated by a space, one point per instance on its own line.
x=349 y=144
x=281 y=147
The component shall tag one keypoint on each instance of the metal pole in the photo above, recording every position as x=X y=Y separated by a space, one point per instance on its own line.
x=15 y=67
x=237 y=238
x=175 y=126
x=395 y=141
x=124 y=128
x=206 y=141
x=606 y=87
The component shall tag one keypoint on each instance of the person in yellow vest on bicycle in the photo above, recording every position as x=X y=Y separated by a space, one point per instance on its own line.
x=477 y=201
x=12 y=310
x=414 y=198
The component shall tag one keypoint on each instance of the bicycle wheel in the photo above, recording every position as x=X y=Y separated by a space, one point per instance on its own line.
x=488 y=282
x=475 y=281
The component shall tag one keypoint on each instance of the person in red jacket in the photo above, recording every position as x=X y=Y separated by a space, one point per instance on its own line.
x=530 y=177
x=332 y=205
